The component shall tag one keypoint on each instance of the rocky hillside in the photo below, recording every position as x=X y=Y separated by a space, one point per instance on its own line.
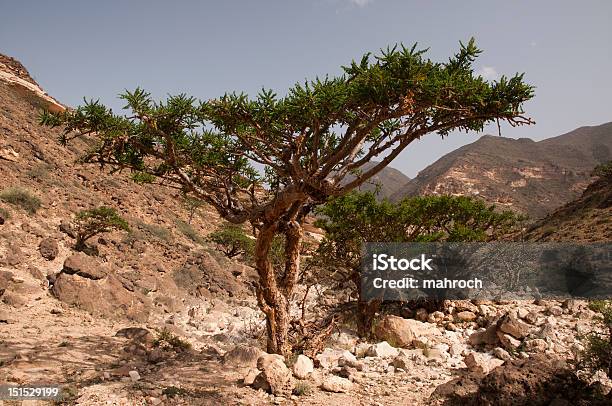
x=588 y=218
x=385 y=183
x=527 y=176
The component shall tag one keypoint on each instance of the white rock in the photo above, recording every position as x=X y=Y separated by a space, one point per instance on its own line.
x=134 y=376
x=382 y=349
x=303 y=367
x=336 y=384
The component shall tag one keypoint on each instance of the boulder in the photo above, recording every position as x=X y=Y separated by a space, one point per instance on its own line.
x=401 y=332
x=466 y=316
x=104 y=297
x=511 y=324
x=536 y=345
x=84 y=266
x=336 y=384
x=48 y=249
x=480 y=363
x=330 y=356
x=484 y=336
x=383 y=350
x=508 y=341
x=250 y=376
x=303 y=367
x=274 y=377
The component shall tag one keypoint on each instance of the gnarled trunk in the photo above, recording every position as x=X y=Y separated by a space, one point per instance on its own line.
x=275 y=289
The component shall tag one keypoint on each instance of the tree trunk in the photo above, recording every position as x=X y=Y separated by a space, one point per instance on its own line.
x=366 y=309
x=274 y=291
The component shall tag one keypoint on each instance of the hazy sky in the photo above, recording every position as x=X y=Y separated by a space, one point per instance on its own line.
x=205 y=48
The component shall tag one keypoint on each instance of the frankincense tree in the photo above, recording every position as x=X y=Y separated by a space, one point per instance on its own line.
x=307 y=142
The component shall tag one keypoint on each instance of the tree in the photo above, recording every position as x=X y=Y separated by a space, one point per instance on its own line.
x=307 y=142
x=233 y=241
x=351 y=220
x=89 y=223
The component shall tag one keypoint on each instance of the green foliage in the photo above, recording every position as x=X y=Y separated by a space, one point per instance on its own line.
x=167 y=340
x=597 y=354
x=21 y=198
x=322 y=129
x=188 y=231
x=351 y=220
x=233 y=241
x=142 y=177
x=89 y=223
x=603 y=170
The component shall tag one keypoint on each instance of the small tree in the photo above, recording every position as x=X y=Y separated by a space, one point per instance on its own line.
x=233 y=241
x=306 y=142
x=354 y=219
x=89 y=223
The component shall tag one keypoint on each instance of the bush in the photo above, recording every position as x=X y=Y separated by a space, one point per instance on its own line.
x=603 y=170
x=233 y=241
x=21 y=198
x=169 y=341
x=302 y=388
x=597 y=354
x=89 y=223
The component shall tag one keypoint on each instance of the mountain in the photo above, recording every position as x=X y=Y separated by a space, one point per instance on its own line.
x=586 y=219
x=527 y=176
x=388 y=181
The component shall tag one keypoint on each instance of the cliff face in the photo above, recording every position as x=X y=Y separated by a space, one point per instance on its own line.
x=527 y=176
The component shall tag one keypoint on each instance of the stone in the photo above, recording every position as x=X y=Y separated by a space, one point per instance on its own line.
x=48 y=249
x=137 y=334
x=66 y=228
x=336 y=384
x=435 y=317
x=274 y=377
x=330 y=356
x=421 y=314
x=303 y=367
x=102 y=298
x=249 y=377
x=456 y=349
x=83 y=266
x=400 y=332
x=466 y=316
x=383 y=350
x=536 y=345
x=13 y=299
x=242 y=356
x=484 y=336
x=555 y=311
x=522 y=312
x=134 y=376
x=502 y=354
x=531 y=318
x=480 y=363
x=512 y=325
x=361 y=349
x=508 y=341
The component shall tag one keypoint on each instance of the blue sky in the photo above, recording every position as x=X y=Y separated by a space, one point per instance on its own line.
x=79 y=49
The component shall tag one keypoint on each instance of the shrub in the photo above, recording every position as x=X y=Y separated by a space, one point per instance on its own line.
x=89 y=223
x=603 y=170
x=302 y=388
x=170 y=341
x=21 y=198
x=233 y=241
x=597 y=354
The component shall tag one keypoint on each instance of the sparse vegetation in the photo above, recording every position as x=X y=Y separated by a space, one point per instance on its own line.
x=302 y=388
x=169 y=341
x=157 y=231
x=603 y=170
x=597 y=354
x=4 y=213
x=22 y=198
x=89 y=223
x=188 y=231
